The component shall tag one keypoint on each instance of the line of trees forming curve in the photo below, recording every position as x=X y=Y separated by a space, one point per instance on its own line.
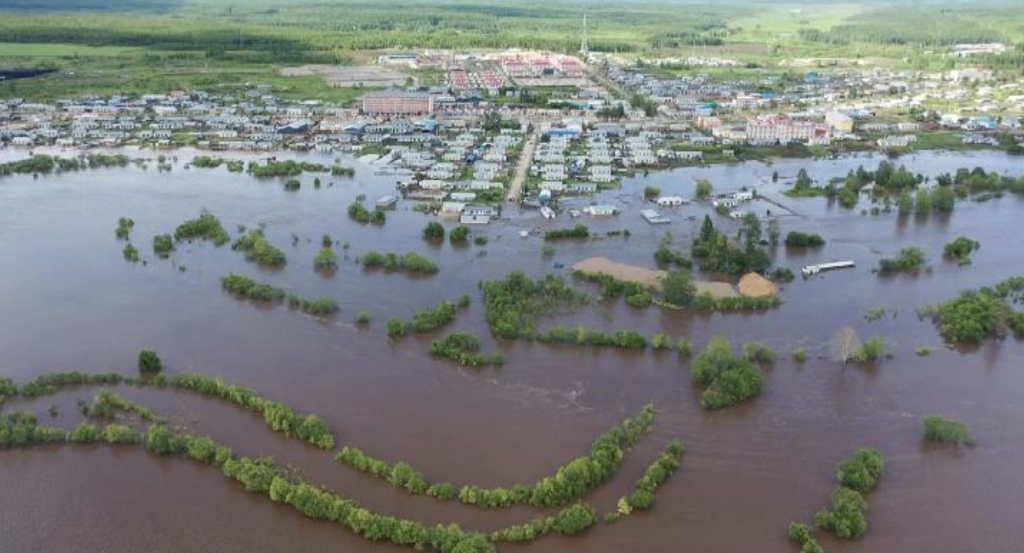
x=261 y=475
x=570 y=483
x=278 y=416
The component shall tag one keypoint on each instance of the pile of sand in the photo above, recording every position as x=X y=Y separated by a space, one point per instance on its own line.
x=756 y=286
x=621 y=271
x=650 y=277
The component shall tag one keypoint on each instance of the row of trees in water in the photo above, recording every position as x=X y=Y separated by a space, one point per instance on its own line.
x=261 y=475
x=656 y=474
x=570 y=482
x=428 y=320
x=247 y=288
x=278 y=416
x=44 y=164
x=890 y=183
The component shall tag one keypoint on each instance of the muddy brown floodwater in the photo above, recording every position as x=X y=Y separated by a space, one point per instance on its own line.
x=69 y=301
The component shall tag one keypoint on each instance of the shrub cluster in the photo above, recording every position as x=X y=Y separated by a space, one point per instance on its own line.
x=459 y=234
x=797 y=239
x=433 y=231
x=326 y=260
x=358 y=211
x=975 y=316
x=726 y=380
x=124 y=227
x=206 y=227
x=107 y=404
x=582 y=336
x=119 y=434
x=512 y=306
x=258 y=249
x=910 y=260
x=409 y=263
x=149 y=362
x=249 y=289
x=857 y=475
x=21 y=429
x=339 y=171
x=207 y=162
x=428 y=320
x=163 y=245
x=578 y=231
x=706 y=302
x=464 y=349
x=286 y=168
x=611 y=287
x=960 y=250
x=130 y=253
x=871 y=351
x=756 y=352
x=321 y=307
x=801 y=534
x=665 y=256
x=946 y=431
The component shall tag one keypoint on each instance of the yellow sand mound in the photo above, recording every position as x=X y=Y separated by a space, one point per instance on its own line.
x=756 y=286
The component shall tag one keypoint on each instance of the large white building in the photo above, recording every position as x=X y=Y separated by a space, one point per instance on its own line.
x=782 y=130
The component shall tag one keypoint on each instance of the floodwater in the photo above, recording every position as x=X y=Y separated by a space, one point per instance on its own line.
x=69 y=301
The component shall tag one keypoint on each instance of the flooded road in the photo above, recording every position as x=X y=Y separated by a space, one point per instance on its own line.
x=68 y=300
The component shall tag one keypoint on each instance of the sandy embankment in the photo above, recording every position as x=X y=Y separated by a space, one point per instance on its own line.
x=649 y=277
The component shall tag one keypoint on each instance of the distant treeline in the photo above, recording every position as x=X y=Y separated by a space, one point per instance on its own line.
x=316 y=31
x=916 y=26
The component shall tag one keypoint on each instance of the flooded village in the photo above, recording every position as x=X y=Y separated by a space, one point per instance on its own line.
x=793 y=222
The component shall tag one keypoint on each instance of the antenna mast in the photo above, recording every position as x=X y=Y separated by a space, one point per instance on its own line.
x=584 y=50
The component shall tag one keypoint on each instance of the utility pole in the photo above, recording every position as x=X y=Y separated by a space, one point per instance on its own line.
x=584 y=50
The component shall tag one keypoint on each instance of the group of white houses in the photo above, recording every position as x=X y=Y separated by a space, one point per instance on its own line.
x=469 y=214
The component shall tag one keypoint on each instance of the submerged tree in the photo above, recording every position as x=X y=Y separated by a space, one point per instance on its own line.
x=845 y=344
